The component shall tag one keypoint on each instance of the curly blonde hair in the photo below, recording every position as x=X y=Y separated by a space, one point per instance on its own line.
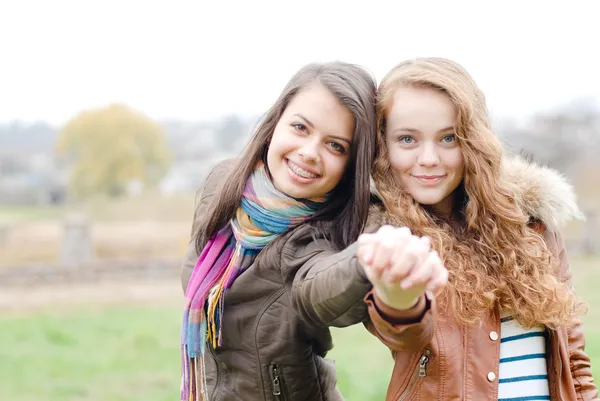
x=496 y=259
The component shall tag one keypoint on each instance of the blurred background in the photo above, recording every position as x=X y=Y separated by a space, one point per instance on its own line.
x=112 y=112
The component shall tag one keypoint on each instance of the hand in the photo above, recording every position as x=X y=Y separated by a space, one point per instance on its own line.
x=400 y=265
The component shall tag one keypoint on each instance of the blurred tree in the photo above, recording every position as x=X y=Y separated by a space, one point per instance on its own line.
x=111 y=147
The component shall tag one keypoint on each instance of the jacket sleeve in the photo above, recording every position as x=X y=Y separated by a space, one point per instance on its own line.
x=203 y=200
x=402 y=330
x=579 y=361
x=327 y=287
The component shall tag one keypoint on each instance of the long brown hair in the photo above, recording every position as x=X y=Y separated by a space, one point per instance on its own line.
x=348 y=206
x=496 y=260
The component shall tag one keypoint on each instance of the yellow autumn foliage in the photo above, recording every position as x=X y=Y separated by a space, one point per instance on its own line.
x=111 y=147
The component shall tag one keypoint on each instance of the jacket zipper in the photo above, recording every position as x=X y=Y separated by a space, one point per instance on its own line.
x=421 y=372
x=262 y=310
x=275 y=373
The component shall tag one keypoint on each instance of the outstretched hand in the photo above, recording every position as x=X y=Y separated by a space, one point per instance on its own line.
x=400 y=265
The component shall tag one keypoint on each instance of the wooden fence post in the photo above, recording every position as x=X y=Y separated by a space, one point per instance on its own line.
x=77 y=242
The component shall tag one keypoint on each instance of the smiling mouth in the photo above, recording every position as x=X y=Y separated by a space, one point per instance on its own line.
x=428 y=179
x=300 y=172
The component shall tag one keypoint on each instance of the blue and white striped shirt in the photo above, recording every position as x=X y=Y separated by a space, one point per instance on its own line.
x=523 y=374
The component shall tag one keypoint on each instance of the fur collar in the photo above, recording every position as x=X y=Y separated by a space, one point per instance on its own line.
x=543 y=193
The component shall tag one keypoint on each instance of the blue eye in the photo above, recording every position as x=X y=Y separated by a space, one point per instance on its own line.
x=406 y=139
x=449 y=138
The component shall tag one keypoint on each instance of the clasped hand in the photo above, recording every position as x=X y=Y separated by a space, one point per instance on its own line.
x=401 y=266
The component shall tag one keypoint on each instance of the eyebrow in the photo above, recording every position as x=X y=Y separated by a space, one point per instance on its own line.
x=416 y=131
x=307 y=121
x=451 y=128
x=403 y=129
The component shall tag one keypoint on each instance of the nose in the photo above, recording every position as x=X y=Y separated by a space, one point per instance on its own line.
x=429 y=156
x=309 y=150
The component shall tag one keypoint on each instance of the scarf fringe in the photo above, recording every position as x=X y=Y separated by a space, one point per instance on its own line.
x=216 y=299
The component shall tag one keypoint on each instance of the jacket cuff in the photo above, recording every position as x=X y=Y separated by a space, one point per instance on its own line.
x=400 y=316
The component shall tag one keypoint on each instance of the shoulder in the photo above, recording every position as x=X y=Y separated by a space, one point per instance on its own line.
x=300 y=244
x=542 y=193
x=303 y=236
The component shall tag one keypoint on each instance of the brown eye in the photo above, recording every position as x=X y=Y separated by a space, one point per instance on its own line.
x=337 y=147
x=299 y=127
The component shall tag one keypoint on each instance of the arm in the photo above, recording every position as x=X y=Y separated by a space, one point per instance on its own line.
x=404 y=272
x=580 y=364
x=579 y=360
x=328 y=287
x=205 y=197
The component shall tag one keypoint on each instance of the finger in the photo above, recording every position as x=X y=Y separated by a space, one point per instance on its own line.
x=426 y=242
x=425 y=249
x=392 y=242
x=372 y=276
x=385 y=230
x=365 y=252
x=440 y=278
x=436 y=284
x=421 y=274
x=385 y=244
x=439 y=275
x=404 y=259
x=403 y=232
x=402 y=237
x=365 y=255
x=377 y=259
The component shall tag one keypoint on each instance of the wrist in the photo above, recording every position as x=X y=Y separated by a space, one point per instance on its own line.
x=400 y=301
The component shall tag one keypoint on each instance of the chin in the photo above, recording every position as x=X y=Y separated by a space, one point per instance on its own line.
x=295 y=192
x=288 y=190
x=427 y=200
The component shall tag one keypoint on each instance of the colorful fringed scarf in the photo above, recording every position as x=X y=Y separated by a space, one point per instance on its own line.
x=264 y=214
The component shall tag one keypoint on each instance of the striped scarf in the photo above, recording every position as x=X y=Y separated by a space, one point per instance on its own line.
x=264 y=214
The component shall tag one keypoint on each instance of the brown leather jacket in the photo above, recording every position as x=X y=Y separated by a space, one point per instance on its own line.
x=277 y=316
x=436 y=359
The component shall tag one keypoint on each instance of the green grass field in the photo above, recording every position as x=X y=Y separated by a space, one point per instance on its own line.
x=131 y=353
x=94 y=351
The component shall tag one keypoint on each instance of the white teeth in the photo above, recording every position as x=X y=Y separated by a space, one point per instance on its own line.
x=301 y=172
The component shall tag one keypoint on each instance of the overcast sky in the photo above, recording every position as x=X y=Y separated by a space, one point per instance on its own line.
x=202 y=59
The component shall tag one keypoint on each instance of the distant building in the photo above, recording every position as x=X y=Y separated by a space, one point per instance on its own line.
x=33 y=183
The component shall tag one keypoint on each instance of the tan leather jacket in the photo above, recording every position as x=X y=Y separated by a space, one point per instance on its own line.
x=437 y=359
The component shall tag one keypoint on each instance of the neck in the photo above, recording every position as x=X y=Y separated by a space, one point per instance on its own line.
x=450 y=210
x=444 y=208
